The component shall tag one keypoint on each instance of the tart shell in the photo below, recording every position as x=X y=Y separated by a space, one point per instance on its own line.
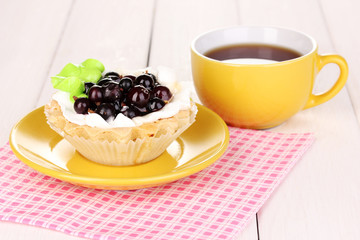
x=121 y=146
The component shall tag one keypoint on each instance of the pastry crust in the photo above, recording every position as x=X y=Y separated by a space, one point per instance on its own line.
x=60 y=124
x=121 y=146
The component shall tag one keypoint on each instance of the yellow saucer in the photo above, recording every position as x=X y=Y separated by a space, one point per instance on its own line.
x=38 y=146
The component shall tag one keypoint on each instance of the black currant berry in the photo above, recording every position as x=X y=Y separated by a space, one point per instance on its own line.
x=106 y=110
x=111 y=92
x=111 y=74
x=155 y=104
x=138 y=96
x=95 y=94
x=82 y=105
x=104 y=81
x=142 y=110
x=153 y=76
x=145 y=80
x=132 y=77
x=126 y=84
x=130 y=112
x=87 y=86
x=118 y=105
x=162 y=92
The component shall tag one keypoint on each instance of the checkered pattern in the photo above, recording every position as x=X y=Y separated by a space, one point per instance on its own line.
x=215 y=203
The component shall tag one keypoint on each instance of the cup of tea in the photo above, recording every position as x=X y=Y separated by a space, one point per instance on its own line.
x=258 y=77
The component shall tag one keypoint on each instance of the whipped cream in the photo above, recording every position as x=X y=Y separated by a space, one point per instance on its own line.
x=165 y=76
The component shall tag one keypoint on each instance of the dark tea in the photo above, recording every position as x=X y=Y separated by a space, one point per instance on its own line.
x=259 y=51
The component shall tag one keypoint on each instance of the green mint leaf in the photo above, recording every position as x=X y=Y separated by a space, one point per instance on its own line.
x=93 y=63
x=70 y=84
x=90 y=74
x=56 y=80
x=70 y=70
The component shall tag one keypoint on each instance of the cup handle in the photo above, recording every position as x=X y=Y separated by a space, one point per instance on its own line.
x=322 y=60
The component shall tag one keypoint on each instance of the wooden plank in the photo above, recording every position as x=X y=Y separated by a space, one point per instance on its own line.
x=27 y=47
x=115 y=32
x=342 y=21
x=13 y=231
x=176 y=24
x=319 y=198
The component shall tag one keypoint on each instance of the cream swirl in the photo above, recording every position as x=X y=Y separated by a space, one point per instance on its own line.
x=165 y=76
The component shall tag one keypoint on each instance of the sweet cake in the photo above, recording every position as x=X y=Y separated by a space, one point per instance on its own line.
x=119 y=118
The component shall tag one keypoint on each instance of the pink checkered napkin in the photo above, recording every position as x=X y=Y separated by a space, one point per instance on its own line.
x=215 y=203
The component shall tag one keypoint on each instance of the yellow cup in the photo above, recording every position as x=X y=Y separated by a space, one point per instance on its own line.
x=256 y=93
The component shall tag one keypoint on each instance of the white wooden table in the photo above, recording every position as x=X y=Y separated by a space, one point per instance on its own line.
x=319 y=199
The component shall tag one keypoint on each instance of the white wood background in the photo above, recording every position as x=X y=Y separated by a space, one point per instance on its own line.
x=319 y=199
